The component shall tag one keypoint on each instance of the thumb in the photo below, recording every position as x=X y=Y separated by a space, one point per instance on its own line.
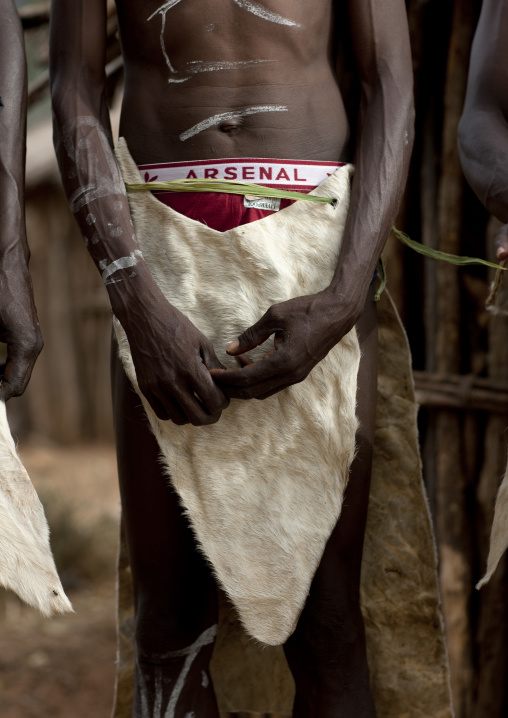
x=252 y=337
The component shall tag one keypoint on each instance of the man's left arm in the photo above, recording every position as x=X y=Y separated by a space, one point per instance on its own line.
x=307 y=328
x=19 y=328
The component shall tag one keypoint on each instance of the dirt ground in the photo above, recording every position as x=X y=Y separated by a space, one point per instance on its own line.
x=64 y=667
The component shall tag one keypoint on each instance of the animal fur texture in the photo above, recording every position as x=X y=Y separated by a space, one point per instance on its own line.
x=262 y=500
x=26 y=562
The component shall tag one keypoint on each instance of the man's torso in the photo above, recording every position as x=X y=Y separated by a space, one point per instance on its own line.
x=231 y=78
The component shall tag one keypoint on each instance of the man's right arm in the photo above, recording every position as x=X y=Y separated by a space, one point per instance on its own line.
x=483 y=128
x=170 y=355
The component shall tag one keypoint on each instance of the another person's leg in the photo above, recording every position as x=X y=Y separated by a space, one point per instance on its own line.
x=326 y=653
x=174 y=591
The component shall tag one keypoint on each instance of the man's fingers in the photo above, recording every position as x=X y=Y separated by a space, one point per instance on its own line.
x=208 y=394
x=253 y=336
x=15 y=375
x=198 y=415
x=256 y=379
x=243 y=360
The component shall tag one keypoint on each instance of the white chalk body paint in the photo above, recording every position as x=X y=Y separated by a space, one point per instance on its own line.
x=157 y=706
x=162 y=11
x=91 y=218
x=257 y=9
x=217 y=119
x=143 y=694
x=190 y=654
x=205 y=681
x=101 y=184
x=196 y=66
x=122 y=263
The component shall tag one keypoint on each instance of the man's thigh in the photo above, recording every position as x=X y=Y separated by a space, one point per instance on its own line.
x=174 y=591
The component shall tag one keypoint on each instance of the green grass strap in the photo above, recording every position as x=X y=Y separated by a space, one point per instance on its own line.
x=435 y=254
x=226 y=187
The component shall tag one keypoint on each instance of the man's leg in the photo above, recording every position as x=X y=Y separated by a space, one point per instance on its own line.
x=174 y=592
x=326 y=653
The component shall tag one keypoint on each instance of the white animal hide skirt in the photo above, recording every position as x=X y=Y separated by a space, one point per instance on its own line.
x=263 y=501
x=26 y=562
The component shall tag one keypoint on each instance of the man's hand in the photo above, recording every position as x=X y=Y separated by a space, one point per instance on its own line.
x=305 y=330
x=19 y=329
x=172 y=359
x=501 y=243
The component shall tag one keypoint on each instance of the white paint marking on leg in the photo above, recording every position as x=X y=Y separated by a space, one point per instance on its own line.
x=257 y=9
x=217 y=119
x=190 y=653
x=205 y=681
x=157 y=706
x=122 y=263
x=196 y=66
x=143 y=694
x=91 y=218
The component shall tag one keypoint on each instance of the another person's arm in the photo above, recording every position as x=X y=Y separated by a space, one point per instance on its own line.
x=19 y=328
x=170 y=355
x=483 y=128
x=306 y=328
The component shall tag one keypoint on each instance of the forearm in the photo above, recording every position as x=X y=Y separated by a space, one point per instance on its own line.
x=383 y=151
x=13 y=246
x=96 y=193
x=84 y=148
x=483 y=128
x=483 y=148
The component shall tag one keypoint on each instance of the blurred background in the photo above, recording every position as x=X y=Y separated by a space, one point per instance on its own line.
x=65 y=668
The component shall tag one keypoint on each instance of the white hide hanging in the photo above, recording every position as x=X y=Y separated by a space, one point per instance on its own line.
x=26 y=562
x=499 y=534
x=263 y=487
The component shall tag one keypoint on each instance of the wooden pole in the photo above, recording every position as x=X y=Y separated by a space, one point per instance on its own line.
x=451 y=509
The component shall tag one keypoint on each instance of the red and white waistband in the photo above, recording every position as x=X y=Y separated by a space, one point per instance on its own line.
x=288 y=174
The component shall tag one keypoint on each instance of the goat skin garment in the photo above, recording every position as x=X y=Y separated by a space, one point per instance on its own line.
x=263 y=505
x=26 y=562
x=400 y=602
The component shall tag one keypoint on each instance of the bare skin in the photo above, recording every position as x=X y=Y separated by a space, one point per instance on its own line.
x=483 y=128
x=19 y=328
x=185 y=98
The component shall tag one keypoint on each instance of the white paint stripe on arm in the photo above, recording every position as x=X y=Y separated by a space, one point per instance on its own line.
x=216 y=119
x=257 y=9
x=196 y=66
x=122 y=263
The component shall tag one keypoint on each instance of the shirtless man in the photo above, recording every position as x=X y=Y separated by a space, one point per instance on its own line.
x=19 y=328
x=483 y=130
x=233 y=79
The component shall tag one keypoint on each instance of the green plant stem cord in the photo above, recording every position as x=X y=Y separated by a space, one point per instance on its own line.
x=256 y=190
x=225 y=187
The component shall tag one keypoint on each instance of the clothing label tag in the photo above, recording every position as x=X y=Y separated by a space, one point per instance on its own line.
x=269 y=203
